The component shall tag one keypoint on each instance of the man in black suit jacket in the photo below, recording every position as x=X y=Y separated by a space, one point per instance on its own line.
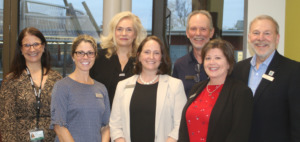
x=275 y=83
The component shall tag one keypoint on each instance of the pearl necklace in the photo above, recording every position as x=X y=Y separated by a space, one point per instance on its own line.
x=213 y=90
x=150 y=82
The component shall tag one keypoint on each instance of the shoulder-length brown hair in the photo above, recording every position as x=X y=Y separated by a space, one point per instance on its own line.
x=226 y=48
x=165 y=65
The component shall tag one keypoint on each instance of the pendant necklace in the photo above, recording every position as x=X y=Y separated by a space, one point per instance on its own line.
x=211 y=91
x=150 y=82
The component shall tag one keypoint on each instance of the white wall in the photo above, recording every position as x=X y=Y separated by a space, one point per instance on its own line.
x=274 y=8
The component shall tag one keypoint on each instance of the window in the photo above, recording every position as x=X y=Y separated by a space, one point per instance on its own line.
x=178 y=43
x=60 y=24
x=228 y=17
x=143 y=9
x=233 y=25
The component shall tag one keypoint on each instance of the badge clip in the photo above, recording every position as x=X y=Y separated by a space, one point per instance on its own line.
x=271 y=73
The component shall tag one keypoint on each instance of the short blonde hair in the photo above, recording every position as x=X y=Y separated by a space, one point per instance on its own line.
x=85 y=38
x=109 y=41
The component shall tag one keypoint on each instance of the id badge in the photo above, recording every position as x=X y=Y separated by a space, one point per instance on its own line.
x=36 y=135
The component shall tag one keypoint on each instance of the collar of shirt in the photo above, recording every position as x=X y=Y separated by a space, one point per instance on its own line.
x=266 y=62
x=255 y=75
x=192 y=57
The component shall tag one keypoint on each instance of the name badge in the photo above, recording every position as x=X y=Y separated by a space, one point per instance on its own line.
x=267 y=77
x=129 y=86
x=122 y=74
x=189 y=77
x=36 y=135
x=98 y=95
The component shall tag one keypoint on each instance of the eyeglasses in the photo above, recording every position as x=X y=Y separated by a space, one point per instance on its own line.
x=35 y=45
x=88 y=54
x=197 y=75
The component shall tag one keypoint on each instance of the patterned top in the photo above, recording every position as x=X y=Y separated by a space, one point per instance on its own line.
x=17 y=111
x=198 y=113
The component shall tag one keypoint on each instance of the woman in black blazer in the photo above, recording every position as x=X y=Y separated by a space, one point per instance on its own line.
x=218 y=109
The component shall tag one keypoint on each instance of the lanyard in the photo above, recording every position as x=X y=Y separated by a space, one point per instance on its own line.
x=37 y=96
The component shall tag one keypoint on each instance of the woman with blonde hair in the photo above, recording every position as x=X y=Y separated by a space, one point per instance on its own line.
x=115 y=60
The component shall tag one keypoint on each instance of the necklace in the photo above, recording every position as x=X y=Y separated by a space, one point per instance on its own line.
x=213 y=90
x=150 y=82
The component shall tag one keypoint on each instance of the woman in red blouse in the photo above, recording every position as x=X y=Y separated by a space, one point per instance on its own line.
x=220 y=108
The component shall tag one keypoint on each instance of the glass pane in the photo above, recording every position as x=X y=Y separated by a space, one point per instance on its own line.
x=228 y=19
x=143 y=9
x=61 y=23
x=177 y=13
x=1 y=40
x=233 y=25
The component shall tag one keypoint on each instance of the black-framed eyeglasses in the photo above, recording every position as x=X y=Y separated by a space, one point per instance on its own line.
x=88 y=54
x=197 y=75
x=35 y=45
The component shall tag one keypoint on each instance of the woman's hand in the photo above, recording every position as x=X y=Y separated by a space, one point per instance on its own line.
x=105 y=133
x=121 y=139
x=170 y=139
x=63 y=134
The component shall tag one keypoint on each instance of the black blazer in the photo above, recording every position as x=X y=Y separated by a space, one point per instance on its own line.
x=276 y=112
x=230 y=119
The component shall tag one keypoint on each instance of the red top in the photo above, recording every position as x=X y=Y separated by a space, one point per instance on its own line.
x=198 y=113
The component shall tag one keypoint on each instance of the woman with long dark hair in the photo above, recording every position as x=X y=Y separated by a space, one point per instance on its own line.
x=26 y=90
